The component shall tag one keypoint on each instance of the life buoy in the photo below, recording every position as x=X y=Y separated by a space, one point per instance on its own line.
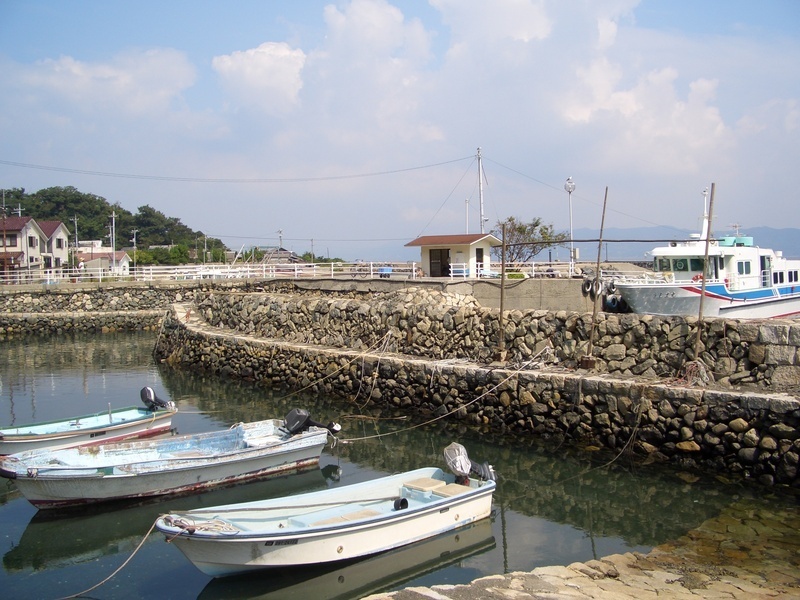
x=697 y=277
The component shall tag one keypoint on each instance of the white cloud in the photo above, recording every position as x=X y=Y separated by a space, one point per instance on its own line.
x=132 y=82
x=268 y=77
x=489 y=22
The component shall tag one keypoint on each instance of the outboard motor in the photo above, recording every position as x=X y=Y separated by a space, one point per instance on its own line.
x=153 y=402
x=299 y=420
x=455 y=455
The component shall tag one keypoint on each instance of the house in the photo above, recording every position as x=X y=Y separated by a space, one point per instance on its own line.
x=55 y=256
x=461 y=255
x=99 y=260
x=22 y=244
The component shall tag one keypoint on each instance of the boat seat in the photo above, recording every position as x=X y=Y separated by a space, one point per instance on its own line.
x=451 y=489
x=424 y=484
x=188 y=454
x=353 y=516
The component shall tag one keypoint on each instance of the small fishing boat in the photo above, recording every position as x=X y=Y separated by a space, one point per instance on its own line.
x=739 y=280
x=168 y=466
x=336 y=524
x=98 y=428
x=360 y=578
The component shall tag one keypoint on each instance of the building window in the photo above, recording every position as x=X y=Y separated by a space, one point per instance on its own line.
x=59 y=243
x=31 y=241
x=11 y=239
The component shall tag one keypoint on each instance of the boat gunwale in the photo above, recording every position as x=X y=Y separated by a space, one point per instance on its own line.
x=448 y=502
x=8 y=437
x=51 y=472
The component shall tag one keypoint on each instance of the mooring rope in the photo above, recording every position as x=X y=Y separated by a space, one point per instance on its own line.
x=117 y=570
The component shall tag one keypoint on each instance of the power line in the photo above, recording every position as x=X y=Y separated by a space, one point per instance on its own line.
x=225 y=180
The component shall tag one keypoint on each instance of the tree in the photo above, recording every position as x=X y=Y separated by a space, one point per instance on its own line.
x=526 y=240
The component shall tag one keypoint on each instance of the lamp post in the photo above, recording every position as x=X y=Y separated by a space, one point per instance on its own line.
x=570 y=187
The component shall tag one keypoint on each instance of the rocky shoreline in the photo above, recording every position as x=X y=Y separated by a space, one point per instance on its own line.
x=746 y=553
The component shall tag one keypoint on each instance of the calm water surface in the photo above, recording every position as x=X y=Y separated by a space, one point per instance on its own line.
x=552 y=506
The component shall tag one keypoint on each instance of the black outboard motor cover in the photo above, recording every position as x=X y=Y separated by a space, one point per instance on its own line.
x=299 y=420
x=153 y=402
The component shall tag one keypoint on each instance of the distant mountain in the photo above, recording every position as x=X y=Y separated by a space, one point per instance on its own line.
x=633 y=244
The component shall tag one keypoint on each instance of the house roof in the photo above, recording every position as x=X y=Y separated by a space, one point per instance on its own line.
x=463 y=239
x=94 y=255
x=50 y=227
x=11 y=224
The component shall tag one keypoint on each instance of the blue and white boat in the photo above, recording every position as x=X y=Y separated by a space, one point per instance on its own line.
x=739 y=281
x=168 y=466
x=116 y=425
x=337 y=524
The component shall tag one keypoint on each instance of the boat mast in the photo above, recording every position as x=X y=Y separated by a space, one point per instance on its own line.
x=480 y=188
x=704 y=233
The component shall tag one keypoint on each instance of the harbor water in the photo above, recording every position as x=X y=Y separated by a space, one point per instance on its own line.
x=554 y=505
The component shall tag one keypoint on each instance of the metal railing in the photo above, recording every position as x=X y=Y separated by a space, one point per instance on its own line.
x=337 y=270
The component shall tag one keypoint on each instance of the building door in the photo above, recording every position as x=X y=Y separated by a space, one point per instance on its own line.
x=479 y=268
x=440 y=262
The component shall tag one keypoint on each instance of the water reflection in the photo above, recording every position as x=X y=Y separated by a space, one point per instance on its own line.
x=57 y=538
x=360 y=578
x=552 y=506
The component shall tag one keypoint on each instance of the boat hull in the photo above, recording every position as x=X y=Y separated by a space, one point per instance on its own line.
x=684 y=299
x=116 y=474
x=343 y=537
x=121 y=425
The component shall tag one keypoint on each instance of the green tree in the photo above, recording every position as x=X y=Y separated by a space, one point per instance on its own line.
x=526 y=240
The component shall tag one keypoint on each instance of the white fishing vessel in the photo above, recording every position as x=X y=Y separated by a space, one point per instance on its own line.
x=336 y=524
x=739 y=280
x=131 y=422
x=168 y=466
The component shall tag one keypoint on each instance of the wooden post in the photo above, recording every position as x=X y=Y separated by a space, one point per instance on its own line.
x=501 y=346
x=588 y=362
x=705 y=273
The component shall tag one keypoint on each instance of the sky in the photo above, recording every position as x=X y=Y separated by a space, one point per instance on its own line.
x=349 y=128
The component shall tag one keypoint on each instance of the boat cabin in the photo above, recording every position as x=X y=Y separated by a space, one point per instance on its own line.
x=734 y=260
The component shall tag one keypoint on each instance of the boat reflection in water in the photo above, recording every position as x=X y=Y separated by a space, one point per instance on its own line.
x=64 y=537
x=356 y=579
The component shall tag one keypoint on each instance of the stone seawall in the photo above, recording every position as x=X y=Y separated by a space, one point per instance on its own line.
x=430 y=351
x=748 y=433
x=438 y=325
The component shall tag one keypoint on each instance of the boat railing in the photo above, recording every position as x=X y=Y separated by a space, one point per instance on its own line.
x=638 y=277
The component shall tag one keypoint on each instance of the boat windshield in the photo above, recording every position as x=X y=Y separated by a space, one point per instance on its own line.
x=679 y=264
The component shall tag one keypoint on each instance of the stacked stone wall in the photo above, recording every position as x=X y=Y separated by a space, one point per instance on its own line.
x=437 y=325
x=747 y=433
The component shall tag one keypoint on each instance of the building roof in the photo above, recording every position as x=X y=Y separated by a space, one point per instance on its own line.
x=462 y=239
x=11 y=224
x=50 y=227
x=86 y=255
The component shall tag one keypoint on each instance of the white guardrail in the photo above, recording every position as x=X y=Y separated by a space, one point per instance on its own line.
x=337 y=270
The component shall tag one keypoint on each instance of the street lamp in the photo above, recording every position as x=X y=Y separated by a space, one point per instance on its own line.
x=570 y=187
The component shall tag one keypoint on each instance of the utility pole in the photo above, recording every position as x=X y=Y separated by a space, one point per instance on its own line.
x=135 y=231
x=480 y=188
x=113 y=242
x=75 y=223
